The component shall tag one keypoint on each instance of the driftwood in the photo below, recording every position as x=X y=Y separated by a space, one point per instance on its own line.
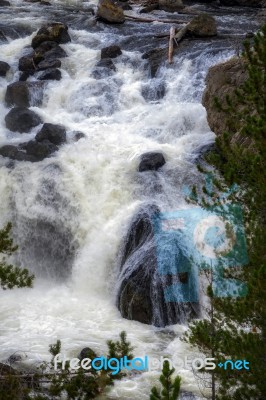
x=171 y=45
x=177 y=37
x=166 y=21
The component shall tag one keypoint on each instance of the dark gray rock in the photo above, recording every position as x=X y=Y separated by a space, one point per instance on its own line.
x=26 y=64
x=54 y=53
x=47 y=64
x=4 y=68
x=111 y=52
x=56 y=32
x=104 y=68
x=50 y=74
x=151 y=161
x=78 y=135
x=141 y=294
x=56 y=134
x=14 y=153
x=153 y=90
x=87 y=352
x=40 y=150
x=4 y=3
x=20 y=119
x=155 y=58
x=24 y=94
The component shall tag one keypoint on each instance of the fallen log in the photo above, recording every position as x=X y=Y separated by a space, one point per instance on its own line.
x=165 y=21
x=177 y=37
x=171 y=45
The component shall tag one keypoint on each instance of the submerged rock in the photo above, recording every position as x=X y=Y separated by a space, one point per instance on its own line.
x=202 y=26
x=110 y=52
x=104 y=68
x=151 y=161
x=14 y=153
x=4 y=3
x=153 y=90
x=55 y=134
x=110 y=12
x=24 y=94
x=21 y=119
x=4 y=68
x=155 y=58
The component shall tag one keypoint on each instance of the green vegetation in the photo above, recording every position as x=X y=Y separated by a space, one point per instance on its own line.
x=170 y=388
x=47 y=384
x=11 y=276
x=235 y=328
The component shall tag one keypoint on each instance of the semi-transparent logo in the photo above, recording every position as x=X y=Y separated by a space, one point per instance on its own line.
x=194 y=239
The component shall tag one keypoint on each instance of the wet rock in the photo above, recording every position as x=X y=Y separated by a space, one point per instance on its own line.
x=202 y=26
x=4 y=3
x=110 y=52
x=148 y=6
x=2 y=37
x=24 y=94
x=55 y=52
x=50 y=74
x=243 y=3
x=48 y=64
x=87 y=352
x=141 y=293
x=78 y=135
x=109 y=11
x=45 y=46
x=40 y=150
x=45 y=3
x=155 y=58
x=56 y=134
x=14 y=153
x=104 y=68
x=56 y=32
x=153 y=90
x=20 y=119
x=25 y=75
x=4 y=68
x=151 y=161
x=26 y=63
x=171 y=5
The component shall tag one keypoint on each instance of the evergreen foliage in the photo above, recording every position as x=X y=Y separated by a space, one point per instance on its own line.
x=235 y=328
x=170 y=389
x=11 y=276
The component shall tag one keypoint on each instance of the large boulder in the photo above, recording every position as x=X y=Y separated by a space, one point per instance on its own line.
x=48 y=64
x=171 y=5
x=109 y=11
x=4 y=68
x=24 y=94
x=202 y=25
x=21 y=119
x=56 y=134
x=141 y=294
x=221 y=81
x=110 y=52
x=56 y=32
x=151 y=161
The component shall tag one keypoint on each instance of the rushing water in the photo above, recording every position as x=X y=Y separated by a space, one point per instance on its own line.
x=71 y=212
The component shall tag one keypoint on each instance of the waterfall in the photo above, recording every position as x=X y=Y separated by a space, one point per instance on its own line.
x=71 y=213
